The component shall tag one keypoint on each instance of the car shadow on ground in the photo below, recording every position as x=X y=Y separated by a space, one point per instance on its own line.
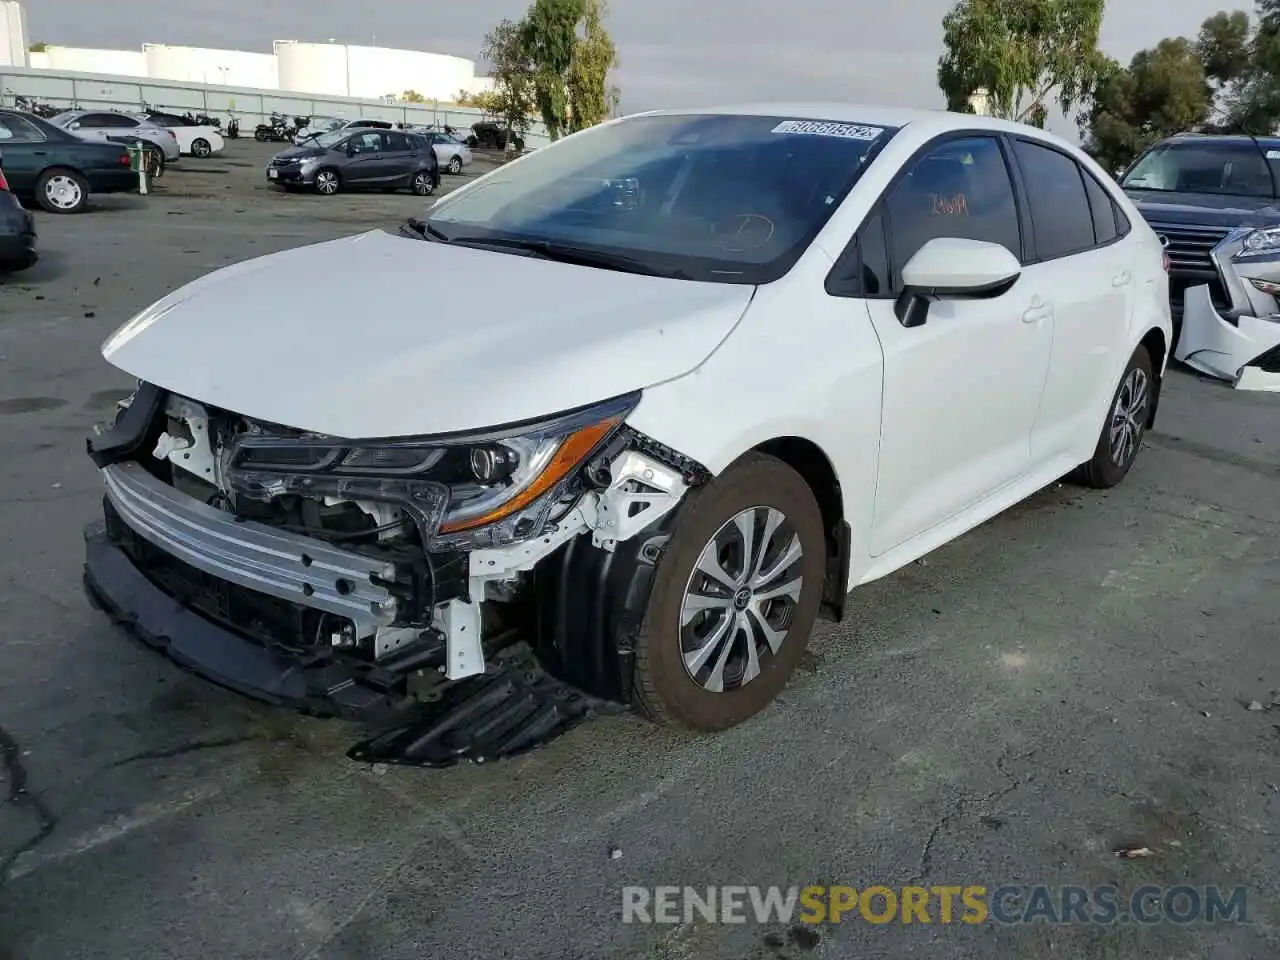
x=51 y=266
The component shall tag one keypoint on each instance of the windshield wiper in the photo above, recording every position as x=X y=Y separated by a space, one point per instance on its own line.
x=564 y=253
x=421 y=230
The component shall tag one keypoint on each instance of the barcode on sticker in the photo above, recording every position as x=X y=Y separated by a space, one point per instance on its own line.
x=825 y=128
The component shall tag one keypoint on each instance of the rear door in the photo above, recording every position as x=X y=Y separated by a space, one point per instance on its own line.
x=1080 y=255
x=401 y=161
x=104 y=125
x=25 y=152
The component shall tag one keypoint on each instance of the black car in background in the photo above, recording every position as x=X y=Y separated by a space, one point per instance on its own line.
x=491 y=136
x=17 y=229
x=348 y=159
x=58 y=169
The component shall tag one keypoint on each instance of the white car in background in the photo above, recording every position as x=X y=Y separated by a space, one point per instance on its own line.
x=764 y=355
x=196 y=141
x=451 y=153
x=117 y=127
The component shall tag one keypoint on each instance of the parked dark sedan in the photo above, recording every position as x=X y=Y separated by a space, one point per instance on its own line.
x=358 y=159
x=56 y=168
x=17 y=229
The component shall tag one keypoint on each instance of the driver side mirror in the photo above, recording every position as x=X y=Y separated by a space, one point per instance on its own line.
x=954 y=268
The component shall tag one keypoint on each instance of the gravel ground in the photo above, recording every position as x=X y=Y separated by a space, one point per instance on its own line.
x=1073 y=676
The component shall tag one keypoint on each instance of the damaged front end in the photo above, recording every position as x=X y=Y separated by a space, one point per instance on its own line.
x=1236 y=336
x=474 y=595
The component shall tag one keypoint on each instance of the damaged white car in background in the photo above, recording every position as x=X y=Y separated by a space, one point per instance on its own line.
x=761 y=356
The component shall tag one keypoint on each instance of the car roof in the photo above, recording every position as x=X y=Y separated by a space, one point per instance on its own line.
x=924 y=122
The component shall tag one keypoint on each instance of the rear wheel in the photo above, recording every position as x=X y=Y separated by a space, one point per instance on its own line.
x=59 y=190
x=455 y=165
x=423 y=184
x=1125 y=426
x=734 y=599
x=328 y=182
x=200 y=147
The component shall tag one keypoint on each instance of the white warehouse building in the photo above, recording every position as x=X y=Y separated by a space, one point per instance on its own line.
x=319 y=69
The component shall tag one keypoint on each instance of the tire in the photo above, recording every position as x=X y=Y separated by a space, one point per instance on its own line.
x=200 y=147
x=328 y=181
x=60 y=190
x=1128 y=412
x=155 y=163
x=260 y=136
x=455 y=165
x=665 y=689
x=423 y=184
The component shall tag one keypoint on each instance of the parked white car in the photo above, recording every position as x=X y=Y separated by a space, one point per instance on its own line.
x=451 y=153
x=761 y=356
x=199 y=142
x=118 y=128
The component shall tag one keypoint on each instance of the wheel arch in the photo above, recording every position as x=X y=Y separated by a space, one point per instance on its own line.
x=1158 y=349
x=816 y=469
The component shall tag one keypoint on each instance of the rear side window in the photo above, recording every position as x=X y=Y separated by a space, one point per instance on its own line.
x=1060 y=212
x=397 y=142
x=1103 y=207
x=17 y=129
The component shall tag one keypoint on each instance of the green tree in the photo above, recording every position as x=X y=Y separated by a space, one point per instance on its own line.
x=511 y=101
x=591 y=97
x=549 y=35
x=1242 y=59
x=412 y=96
x=1026 y=53
x=1163 y=91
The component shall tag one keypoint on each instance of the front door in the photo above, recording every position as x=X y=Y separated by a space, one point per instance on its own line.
x=367 y=163
x=961 y=391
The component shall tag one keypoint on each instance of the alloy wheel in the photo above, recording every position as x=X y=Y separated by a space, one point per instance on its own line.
x=741 y=598
x=455 y=165
x=327 y=182
x=1128 y=416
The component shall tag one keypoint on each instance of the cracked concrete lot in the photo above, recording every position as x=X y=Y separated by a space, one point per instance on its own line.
x=1071 y=678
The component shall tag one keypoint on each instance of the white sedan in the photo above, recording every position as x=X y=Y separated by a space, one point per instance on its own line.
x=802 y=346
x=199 y=141
x=451 y=153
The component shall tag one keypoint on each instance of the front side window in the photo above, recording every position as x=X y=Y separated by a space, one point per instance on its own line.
x=1060 y=212
x=366 y=142
x=961 y=188
x=724 y=198
x=1230 y=168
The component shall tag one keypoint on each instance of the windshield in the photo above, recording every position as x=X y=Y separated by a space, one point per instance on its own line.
x=1232 y=168
x=733 y=199
x=329 y=139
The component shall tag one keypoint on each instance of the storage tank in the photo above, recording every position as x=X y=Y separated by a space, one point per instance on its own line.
x=237 y=68
x=317 y=68
x=125 y=63
x=13 y=35
x=343 y=70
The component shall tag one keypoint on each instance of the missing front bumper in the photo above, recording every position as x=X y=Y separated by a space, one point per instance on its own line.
x=1242 y=353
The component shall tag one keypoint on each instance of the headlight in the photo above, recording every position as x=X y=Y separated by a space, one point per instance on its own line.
x=1262 y=241
x=462 y=490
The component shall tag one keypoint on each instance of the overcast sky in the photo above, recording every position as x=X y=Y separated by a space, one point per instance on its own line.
x=673 y=52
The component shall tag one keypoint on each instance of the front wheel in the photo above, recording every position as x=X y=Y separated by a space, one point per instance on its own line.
x=200 y=147
x=1125 y=426
x=455 y=165
x=62 y=191
x=735 y=597
x=260 y=135
x=328 y=182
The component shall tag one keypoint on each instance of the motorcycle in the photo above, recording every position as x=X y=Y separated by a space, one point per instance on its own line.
x=233 y=128
x=279 y=129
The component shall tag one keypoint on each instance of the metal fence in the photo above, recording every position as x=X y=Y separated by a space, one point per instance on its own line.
x=92 y=91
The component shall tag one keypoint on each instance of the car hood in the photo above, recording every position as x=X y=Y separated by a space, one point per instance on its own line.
x=337 y=337
x=1204 y=209
x=299 y=153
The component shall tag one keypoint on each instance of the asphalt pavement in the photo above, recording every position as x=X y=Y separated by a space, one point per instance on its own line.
x=1086 y=673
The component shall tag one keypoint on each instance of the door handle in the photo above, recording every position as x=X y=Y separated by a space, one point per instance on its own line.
x=1039 y=310
x=1121 y=279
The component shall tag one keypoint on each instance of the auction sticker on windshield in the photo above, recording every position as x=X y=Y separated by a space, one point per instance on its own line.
x=826 y=128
